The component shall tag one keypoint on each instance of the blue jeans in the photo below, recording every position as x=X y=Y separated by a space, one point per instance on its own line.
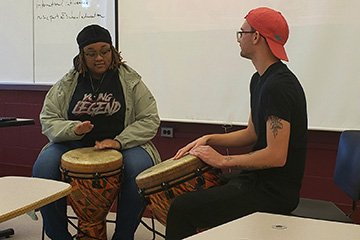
x=130 y=203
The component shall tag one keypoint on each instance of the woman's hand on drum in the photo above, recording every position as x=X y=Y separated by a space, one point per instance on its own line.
x=83 y=128
x=185 y=150
x=208 y=155
x=108 y=143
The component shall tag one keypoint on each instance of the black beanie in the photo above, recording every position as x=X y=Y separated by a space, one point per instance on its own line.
x=92 y=34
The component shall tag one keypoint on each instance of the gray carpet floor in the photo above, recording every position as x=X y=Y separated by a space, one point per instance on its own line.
x=28 y=229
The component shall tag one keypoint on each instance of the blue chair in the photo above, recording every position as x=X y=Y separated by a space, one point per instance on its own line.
x=346 y=177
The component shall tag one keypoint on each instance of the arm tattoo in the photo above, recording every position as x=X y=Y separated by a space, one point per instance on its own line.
x=275 y=125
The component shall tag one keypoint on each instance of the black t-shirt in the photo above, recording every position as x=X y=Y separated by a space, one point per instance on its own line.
x=101 y=102
x=279 y=93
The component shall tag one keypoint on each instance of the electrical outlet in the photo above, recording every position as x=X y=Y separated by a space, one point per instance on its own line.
x=167 y=132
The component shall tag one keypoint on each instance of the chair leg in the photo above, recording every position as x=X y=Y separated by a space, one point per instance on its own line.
x=7 y=233
x=353 y=208
x=153 y=227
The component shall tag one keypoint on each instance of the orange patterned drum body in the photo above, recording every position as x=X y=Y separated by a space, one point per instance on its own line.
x=95 y=177
x=161 y=183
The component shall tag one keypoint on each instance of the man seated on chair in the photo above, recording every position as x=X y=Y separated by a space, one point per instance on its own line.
x=277 y=130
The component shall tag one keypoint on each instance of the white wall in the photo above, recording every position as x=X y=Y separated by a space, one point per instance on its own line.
x=187 y=53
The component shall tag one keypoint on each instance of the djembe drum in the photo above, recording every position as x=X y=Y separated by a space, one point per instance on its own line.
x=95 y=177
x=160 y=184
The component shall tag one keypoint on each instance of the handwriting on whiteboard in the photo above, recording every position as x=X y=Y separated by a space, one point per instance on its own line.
x=62 y=10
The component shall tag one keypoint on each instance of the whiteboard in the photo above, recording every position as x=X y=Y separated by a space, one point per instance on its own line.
x=16 y=41
x=187 y=53
x=56 y=25
x=39 y=40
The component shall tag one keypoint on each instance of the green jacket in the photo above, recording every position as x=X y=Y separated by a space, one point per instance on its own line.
x=141 y=117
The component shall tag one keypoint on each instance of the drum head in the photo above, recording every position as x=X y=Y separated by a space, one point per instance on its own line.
x=91 y=160
x=168 y=170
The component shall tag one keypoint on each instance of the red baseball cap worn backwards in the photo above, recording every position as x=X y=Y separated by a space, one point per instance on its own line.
x=272 y=26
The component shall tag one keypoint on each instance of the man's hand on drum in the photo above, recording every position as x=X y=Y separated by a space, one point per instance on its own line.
x=208 y=155
x=108 y=143
x=185 y=150
x=83 y=128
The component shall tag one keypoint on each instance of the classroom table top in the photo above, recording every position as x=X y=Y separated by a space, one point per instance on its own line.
x=19 y=195
x=260 y=226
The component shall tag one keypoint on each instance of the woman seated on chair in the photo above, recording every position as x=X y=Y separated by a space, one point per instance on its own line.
x=73 y=116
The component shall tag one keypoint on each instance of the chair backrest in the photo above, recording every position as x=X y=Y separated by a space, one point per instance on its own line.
x=347 y=168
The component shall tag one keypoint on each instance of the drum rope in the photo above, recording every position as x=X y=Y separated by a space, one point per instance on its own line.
x=167 y=185
x=200 y=180
x=68 y=173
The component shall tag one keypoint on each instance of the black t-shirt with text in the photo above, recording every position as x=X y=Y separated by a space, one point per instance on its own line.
x=100 y=101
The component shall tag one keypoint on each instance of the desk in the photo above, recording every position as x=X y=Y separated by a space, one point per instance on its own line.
x=261 y=226
x=12 y=123
x=19 y=195
x=17 y=122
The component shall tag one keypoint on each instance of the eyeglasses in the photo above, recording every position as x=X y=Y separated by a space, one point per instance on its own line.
x=239 y=34
x=94 y=54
